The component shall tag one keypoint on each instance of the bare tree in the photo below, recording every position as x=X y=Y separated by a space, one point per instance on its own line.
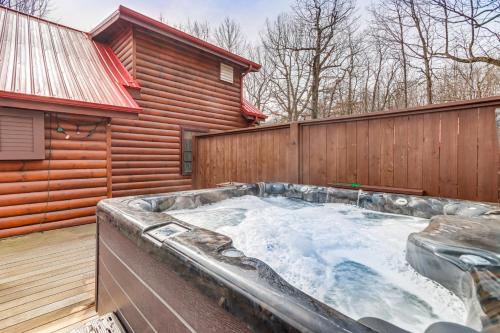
x=422 y=46
x=228 y=35
x=414 y=52
x=470 y=30
x=388 y=17
x=290 y=67
x=32 y=7
x=258 y=85
x=322 y=22
x=201 y=30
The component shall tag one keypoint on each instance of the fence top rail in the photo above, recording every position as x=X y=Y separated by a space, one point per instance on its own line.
x=443 y=107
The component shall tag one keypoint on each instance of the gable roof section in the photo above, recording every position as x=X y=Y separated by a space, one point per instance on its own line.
x=129 y=15
x=49 y=63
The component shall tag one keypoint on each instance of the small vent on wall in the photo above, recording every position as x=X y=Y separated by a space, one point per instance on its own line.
x=226 y=73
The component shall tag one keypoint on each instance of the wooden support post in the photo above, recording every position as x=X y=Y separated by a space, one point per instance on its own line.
x=294 y=154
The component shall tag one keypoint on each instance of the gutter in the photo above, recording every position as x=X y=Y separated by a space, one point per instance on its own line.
x=250 y=67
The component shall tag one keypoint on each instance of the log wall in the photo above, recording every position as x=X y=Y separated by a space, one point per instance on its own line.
x=61 y=190
x=449 y=150
x=180 y=88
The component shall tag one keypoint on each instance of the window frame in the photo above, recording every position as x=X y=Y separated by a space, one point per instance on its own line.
x=38 y=152
x=198 y=130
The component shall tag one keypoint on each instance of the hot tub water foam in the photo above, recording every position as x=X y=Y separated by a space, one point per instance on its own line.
x=350 y=258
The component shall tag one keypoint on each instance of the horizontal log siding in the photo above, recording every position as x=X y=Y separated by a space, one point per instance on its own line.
x=61 y=190
x=449 y=152
x=180 y=87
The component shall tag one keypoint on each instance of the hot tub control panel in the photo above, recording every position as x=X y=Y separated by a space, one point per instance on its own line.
x=166 y=231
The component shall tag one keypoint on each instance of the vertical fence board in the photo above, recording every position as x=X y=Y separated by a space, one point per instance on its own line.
x=219 y=160
x=294 y=159
x=401 y=152
x=430 y=156
x=331 y=154
x=387 y=152
x=317 y=153
x=374 y=151
x=234 y=159
x=362 y=152
x=467 y=154
x=304 y=155
x=227 y=159
x=351 y=137
x=415 y=148
x=487 y=155
x=283 y=165
x=448 y=176
x=341 y=153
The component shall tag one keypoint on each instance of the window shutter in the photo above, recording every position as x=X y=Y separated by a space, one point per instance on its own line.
x=226 y=73
x=22 y=135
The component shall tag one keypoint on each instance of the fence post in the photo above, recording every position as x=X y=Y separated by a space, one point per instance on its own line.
x=294 y=154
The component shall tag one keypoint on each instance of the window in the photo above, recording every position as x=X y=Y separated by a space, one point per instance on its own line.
x=187 y=150
x=22 y=135
x=226 y=73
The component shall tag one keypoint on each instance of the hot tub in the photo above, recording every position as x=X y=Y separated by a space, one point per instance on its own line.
x=285 y=258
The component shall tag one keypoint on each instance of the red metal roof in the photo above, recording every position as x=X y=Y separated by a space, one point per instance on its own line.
x=251 y=110
x=134 y=17
x=51 y=62
x=115 y=67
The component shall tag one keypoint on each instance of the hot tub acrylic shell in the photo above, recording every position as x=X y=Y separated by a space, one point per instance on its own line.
x=194 y=281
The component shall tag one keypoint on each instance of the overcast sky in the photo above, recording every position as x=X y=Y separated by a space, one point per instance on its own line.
x=250 y=14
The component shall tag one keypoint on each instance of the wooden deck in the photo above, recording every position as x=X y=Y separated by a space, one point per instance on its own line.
x=47 y=280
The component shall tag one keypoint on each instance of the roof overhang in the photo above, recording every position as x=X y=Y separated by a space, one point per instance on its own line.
x=251 y=111
x=138 y=19
x=52 y=104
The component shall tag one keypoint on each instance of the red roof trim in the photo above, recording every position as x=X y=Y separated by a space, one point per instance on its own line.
x=131 y=15
x=115 y=67
x=69 y=102
x=251 y=110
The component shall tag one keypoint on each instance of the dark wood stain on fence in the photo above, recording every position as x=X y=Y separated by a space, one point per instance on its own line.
x=448 y=150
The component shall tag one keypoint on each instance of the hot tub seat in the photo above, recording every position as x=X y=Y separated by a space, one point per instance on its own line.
x=463 y=254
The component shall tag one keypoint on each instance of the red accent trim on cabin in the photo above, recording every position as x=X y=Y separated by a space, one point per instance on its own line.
x=69 y=102
x=128 y=14
x=57 y=65
x=251 y=110
x=113 y=64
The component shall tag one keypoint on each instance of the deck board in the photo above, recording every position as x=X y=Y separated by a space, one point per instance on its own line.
x=47 y=280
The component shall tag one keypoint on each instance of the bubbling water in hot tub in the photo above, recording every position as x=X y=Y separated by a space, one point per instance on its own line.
x=347 y=257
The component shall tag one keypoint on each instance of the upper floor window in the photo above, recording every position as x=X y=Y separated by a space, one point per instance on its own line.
x=226 y=73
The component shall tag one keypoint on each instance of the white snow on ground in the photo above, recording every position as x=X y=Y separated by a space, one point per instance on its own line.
x=347 y=257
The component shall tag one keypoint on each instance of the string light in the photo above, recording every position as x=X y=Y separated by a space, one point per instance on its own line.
x=60 y=129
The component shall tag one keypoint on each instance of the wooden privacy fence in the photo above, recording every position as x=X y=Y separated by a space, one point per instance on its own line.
x=448 y=150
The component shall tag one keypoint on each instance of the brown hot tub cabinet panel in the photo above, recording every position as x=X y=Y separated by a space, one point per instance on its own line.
x=161 y=274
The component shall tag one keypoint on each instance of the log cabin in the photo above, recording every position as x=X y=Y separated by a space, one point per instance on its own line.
x=110 y=112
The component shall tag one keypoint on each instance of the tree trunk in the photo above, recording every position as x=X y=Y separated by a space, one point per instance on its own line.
x=315 y=88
